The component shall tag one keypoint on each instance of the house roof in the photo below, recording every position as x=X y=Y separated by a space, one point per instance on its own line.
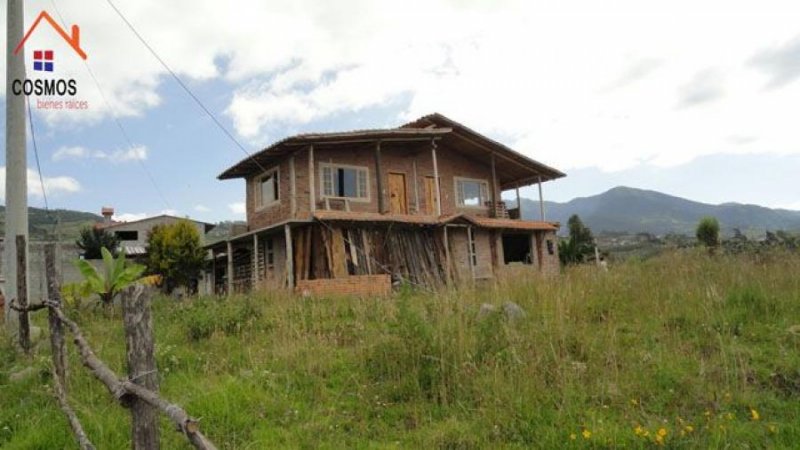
x=513 y=168
x=207 y=226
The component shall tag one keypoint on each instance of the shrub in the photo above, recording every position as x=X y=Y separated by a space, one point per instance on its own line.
x=708 y=232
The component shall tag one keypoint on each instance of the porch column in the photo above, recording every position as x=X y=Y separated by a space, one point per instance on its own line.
x=436 y=179
x=533 y=248
x=416 y=185
x=255 y=275
x=379 y=178
x=519 y=204
x=312 y=176
x=229 y=273
x=541 y=199
x=292 y=188
x=471 y=252
x=213 y=276
x=287 y=230
x=493 y=210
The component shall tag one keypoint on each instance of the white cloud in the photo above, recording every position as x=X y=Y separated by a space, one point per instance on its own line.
x=237 y=208
x=534 y=74
x=130 y=217
x=117 y=156
x=55 y=185
x=202 y=208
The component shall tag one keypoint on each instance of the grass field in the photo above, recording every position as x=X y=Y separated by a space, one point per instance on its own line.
x=683 y=350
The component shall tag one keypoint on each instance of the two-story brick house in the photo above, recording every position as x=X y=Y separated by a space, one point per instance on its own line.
x=354 y=211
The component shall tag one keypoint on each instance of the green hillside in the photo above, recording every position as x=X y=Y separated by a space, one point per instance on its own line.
x=625 y=209
x=43 y=224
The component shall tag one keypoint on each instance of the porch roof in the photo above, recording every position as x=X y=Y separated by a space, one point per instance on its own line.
x=513 y=168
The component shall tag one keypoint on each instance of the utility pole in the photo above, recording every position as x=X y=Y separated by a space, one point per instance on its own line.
x=16 y=157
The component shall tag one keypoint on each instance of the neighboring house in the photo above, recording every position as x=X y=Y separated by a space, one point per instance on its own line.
x=133 y=235
x=356 y=211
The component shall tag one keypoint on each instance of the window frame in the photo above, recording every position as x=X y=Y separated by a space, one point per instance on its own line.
x=257 y=192
x=334 y=166
x=485 y=185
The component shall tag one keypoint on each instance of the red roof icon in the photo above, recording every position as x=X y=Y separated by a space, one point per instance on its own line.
x=73 y=40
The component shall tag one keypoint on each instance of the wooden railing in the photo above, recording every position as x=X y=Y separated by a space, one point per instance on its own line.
x=138 y=392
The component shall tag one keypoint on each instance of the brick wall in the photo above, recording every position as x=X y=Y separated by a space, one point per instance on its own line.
x=353 y=285
x=397 y=158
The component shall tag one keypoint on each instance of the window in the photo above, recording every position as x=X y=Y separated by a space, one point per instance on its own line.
x=471 y=193
x=127 y=235
x=344 y=181
x=267 y=188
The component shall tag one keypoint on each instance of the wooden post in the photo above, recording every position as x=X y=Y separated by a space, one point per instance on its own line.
x=493 y=210
x=141 y=361
x=312 y=176
x=229 y=269
x=416 y=186
x=436 y=179
x=22 y=292
x=57 y=345
x=541 y=199
x=519 y=204
x=255 y=274
x=379 y=178
x=448 y=273
x=213 y=277
x=471 y=252
x=287 y=230
x=292 y=188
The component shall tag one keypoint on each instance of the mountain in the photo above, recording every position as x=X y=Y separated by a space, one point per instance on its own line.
x=624 y=209
x=42 y=223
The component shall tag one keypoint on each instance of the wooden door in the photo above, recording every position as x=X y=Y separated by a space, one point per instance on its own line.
x=430 y=196
x=398 y=203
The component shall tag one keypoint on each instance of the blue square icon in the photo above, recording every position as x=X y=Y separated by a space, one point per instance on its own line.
x=48 y=67
x=37 y=65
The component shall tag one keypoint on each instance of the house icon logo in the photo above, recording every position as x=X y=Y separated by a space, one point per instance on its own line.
x=51 y=92
x=73 y=40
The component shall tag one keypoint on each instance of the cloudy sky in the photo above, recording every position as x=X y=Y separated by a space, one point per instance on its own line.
x=696 y=99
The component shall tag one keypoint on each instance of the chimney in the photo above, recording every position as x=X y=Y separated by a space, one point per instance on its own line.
x=107 y=213
x=76 y=36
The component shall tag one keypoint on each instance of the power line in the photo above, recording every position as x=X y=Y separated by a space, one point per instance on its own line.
x=116 y=120
x=184 y=86
x=36 y=153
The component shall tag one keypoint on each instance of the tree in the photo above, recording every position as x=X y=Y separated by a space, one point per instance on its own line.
x=92 y=239
x=174 y=252
x=580 y=242
x=708 y=232
x=117 y=275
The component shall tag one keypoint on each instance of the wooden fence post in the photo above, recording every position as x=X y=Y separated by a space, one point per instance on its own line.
x=57 y=343
x=140 y=352
x=22 y=294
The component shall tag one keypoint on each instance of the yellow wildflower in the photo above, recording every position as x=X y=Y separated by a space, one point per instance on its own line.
x=707 y=413
x=638 y=430
x=688 y=428
x=772 y=428
x=662 y=432
x=573 y=436
x=754 y=414
x=659 y=440
x=586 y=434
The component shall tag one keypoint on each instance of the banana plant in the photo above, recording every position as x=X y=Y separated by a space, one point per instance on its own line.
x=116 y=275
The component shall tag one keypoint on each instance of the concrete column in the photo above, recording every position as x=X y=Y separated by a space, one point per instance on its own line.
x=287 y=230
x=541 y=199
x=16 y=158
x=519 y=204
